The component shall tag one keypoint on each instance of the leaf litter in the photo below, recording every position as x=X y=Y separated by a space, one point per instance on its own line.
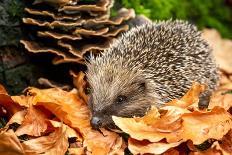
x=57 y=122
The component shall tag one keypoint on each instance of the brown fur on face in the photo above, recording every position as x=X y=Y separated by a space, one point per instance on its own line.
x=108 y=85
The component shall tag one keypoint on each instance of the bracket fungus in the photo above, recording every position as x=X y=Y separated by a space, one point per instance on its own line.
x=72 y=29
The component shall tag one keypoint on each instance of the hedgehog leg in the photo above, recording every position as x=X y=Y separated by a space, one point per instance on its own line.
x=204 y=100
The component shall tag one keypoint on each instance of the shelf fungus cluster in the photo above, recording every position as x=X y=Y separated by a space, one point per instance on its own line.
x=71 y=29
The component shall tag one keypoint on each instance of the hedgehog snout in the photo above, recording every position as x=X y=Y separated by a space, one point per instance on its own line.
x=96 y=122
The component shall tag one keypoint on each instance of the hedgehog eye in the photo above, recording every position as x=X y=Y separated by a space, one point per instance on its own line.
x=88 y=90
x=121 y=98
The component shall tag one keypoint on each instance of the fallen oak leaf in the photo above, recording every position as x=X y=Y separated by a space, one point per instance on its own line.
x=22 y=100
x=140 y=131
x=10 y=106
x=143 y=147
x=170 y=120
x=55 y=143
x=76 y=151
x=80 y=84
x=191 y=146
x=150 y=117
x=35 y=123
x=104 y=143
x=71 y=110
x=167 y=125
x=213 y=124
x=118 y=147
x=226 y=142
x=10 y=144
x=190 y=98
x=221 y=49
x=2 y=89
x=70 y=133
x=214 y=150
x=171 y=151
x=210 y=124
x=66 y=106
x=222 y=99
x=224 y=79
x=18 y=118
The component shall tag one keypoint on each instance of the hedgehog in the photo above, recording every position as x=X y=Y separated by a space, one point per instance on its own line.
x=148 y=66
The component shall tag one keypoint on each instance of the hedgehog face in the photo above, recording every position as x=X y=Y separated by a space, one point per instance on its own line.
x=116 y=92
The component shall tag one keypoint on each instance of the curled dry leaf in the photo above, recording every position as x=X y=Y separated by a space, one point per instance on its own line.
x=76 y=151
x=172 y=152
x=2 y=90
x=226 y=142
x=104 y=143
x=35 y=123
x=224 y=78
x=66 y=106
x=143 y=147
x=222 y=99
x=70 y=133
x=166 y=126
x=215 y=149
x=159 y=131
x=150 y=117
x=7 y=102
x=191 y=97
x=140 y=131
x=176 y=123
x=221 y=49
x=55 y=143
x=70 y=109
x=10 y=144
x=212 y=124
x=18 y=118
x=80 y=84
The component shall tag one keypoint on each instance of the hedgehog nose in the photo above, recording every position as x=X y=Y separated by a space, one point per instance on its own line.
x=96 y=122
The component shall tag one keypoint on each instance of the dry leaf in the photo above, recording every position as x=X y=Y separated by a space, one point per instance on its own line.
x=10 y=106
x=214 y=150
x=140 y=131
x=22 y=100
x=80 y=84
x=67 y=106
x=143 y=147
x=76 y=151
x=10 y=144
x=70 y=133
x=212 y=124
x=221 y=49
x=17 y=117
x=103 y=144
x=167 y=126
x=170 y=120
x=35 y=123
x=191 y=97
x=150 y=117
x=55 y=143
x=171 y=152
x=2 y=90
x=226 y=142
x=222 y=99
x=70 y=109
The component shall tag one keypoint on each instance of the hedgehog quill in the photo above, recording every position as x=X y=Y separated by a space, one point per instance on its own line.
x=149 y=65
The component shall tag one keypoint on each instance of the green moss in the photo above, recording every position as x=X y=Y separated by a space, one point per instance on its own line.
x=11 y=12
x=213 y=14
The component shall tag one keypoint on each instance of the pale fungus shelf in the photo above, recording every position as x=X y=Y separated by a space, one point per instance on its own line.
x=72 y=29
